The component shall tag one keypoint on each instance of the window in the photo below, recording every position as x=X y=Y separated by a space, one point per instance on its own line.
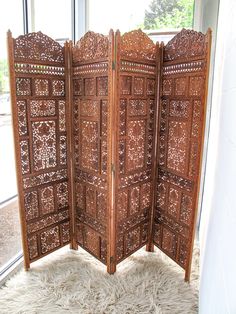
x=10 y=240
x=159 y=18
x=52 y=18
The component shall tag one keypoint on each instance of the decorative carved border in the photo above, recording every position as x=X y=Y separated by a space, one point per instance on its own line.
x=136 y=44
x=90 y=47
x=38 y=47
x=186 y=45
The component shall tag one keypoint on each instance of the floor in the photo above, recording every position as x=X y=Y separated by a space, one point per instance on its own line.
x=10 y=234
x=70 y=281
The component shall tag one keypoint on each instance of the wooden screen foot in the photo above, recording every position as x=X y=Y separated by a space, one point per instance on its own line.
x=150 y=247
x=111 y=270
x=74 y=245
x=187 y=276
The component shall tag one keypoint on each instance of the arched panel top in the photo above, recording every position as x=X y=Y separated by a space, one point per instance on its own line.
x=187 y=44
x=38 y=47
x=91 y=46
x=136 y=44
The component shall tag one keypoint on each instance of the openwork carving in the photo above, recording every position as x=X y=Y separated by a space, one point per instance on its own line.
x=186 y=45
x=137 y=45
x=40 y=115
x=37 y=47
x=91 y=46
x=180 y=139
x=108 y=154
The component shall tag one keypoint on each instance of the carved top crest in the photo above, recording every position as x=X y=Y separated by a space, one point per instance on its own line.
x=91 y=46
x=186 y=44
x=38 y=47
x=136 y=44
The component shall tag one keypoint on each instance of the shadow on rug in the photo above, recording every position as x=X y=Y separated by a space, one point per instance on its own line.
x=74 y=282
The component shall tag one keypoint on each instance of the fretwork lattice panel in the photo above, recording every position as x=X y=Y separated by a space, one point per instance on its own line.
x=90 y=110
x=180 y=142
x=136 y=81
x=40 y=118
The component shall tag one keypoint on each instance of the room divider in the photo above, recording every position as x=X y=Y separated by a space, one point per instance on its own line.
x=108 y=141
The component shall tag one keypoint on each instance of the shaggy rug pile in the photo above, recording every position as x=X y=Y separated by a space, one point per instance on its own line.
x=74 y=282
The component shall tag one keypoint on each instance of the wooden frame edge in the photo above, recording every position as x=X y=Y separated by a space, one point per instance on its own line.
x=159 y=62
x=70 y=150
x=192 y=236
x=111 y=171
x=10 y=45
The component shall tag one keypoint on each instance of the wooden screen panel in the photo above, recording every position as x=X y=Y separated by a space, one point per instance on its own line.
x=136 y=109
x=39 y=108
x=181 y=131
x=91 y=84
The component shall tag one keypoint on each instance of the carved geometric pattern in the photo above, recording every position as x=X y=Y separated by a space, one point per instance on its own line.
x=169 y=242
x=62 y=195
x=135 y=144
x=50 y=239
x=42 y=108
x=62 y=115
x=47 y=200
x=31 y=205
x=126 y=85
x=41 y=87
x=151 y=84
x=58 y=88
x=137 y=107
x=89 y=108
x=89 y=145
x=180 y=108
x=196 y=85
x=23 y=87
x=33 y=246
x=22 y=118
x=102 y=86
x=89 y=87
x=25 y=163
x=138 y=85
x=167 y=86
x=177 y=146
x=180 y=86
x=44 y=144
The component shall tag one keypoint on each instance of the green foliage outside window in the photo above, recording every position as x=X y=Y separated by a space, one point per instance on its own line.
x=169 y=14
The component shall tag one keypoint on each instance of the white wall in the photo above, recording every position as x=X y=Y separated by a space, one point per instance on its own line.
x=218 y=263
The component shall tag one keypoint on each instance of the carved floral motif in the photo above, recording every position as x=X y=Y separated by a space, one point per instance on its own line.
x=185 y=45
x=136 y=44
x=38 y=47
x=91 y=46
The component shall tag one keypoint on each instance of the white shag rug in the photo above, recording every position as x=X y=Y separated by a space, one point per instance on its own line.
x=75 y=282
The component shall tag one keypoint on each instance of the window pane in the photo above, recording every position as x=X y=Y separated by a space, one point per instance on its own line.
x=147 y=15
x=52 y=18
x=11 y=17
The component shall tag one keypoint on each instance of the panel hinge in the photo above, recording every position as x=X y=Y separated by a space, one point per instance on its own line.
x=113 y=168
x=113 y=65
x=111 y=259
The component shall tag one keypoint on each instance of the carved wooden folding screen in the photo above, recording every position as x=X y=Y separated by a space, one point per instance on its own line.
x=108 y=139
